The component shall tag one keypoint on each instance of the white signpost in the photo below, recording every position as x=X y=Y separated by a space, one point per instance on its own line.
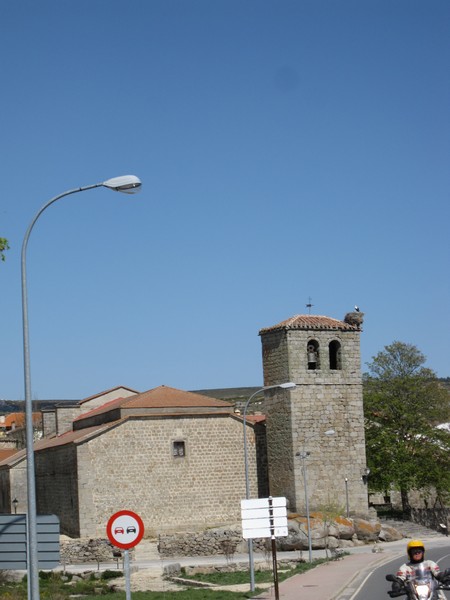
x=265 y=518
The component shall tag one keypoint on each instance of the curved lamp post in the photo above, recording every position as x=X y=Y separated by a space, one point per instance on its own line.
x=285 y=386
x=128 y=184
x=303 y=455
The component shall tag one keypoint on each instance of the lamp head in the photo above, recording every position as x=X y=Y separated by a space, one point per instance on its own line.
x=128 y=184
x=288 y=385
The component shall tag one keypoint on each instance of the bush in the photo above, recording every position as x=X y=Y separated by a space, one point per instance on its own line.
x=108 y=574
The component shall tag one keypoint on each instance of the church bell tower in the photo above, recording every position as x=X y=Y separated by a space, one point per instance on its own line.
x=320 y=423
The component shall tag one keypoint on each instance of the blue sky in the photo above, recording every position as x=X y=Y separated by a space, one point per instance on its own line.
x=288 y=149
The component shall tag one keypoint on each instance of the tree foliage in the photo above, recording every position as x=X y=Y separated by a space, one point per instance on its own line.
x=3 y=246
x=403 y=403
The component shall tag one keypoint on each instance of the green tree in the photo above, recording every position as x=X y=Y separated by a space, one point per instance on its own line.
x=403 y=403
x=3 y=246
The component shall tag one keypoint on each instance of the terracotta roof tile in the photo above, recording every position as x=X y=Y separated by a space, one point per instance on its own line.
x=6 y=453
x=17 y=419
x=118 y=387
x=13 y=459
x=161 y=397
x=72 y=436
x=311 y=322
x=116 y=403
x=164 y=397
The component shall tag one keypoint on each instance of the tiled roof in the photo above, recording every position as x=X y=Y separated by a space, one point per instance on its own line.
x=311 y=322
x=7 y=452
x=72 y=436
x=13 y=459
x=165 y=397
x=111 y=405
x=160 y=397
x=118 y=387
x=256 y=418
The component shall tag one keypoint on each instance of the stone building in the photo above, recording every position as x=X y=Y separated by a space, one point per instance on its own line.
x=174 y=457
x=322 y=356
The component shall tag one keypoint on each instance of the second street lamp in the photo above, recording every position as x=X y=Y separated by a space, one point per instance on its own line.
x=128 y=184
x=303 y=455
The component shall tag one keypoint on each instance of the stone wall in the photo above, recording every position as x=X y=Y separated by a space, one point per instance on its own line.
x=5 y=491
x=18 y=481
x=220 y=541
x=329 y=533
x=432 y=517
x=57 y=486
x=48 y=423
x=90 y=550
x=13 y=484
x=131 y=465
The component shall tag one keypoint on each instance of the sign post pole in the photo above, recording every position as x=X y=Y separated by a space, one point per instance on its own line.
x=274 y=549
x=126 y=568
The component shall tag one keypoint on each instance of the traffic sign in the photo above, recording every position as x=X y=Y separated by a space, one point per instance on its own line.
x=125 y=529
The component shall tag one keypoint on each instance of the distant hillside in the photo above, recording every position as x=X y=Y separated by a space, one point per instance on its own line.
x=9 y=406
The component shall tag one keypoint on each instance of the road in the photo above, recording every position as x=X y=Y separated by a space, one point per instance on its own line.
x=375 y=587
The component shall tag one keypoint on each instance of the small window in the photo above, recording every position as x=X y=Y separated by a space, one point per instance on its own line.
x=178 y=450
x=335 y=356
x=313 y=355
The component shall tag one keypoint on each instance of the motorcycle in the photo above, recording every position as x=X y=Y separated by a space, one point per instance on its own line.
x=420 y=584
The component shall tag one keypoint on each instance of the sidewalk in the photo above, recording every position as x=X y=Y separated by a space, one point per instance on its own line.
x=328 y=580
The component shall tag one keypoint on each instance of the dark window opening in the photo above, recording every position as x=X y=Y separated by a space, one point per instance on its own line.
x=335 y=355
x=179 y=449
x=313 y=356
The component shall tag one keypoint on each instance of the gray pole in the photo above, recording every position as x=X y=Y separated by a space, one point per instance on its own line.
x=126 y=564
x=303 y=456
x=346 y=497
x=32 y=564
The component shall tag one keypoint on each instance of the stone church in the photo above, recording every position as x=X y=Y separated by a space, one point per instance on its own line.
x=176 y=458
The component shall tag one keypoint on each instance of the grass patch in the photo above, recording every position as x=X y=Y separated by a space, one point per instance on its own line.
x=238 y=577
x=53 y=586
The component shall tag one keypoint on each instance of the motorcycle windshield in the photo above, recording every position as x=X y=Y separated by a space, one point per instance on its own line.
x=421 y=575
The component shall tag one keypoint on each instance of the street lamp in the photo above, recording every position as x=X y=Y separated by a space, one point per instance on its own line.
x=128 y=184
x=284 y=386
x=303 y=455
x=346 y=497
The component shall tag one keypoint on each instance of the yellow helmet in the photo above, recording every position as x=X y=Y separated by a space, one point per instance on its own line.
x=415 y=544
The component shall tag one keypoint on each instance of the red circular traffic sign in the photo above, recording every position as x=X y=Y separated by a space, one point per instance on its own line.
x=125 y=529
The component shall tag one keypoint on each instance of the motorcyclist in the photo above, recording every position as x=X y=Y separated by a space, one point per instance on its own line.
x=416 y=554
